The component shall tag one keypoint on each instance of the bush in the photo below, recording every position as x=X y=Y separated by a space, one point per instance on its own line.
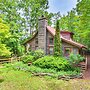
x=27 y=58
x=36 y=69
x=68 y=73
x=16 y=66
x=38 y=54
x=56 y=63
x=75 y=59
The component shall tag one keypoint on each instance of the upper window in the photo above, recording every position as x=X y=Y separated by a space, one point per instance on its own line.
x=50 y=40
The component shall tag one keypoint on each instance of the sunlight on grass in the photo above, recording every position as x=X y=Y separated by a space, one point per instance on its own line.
x=20 y=80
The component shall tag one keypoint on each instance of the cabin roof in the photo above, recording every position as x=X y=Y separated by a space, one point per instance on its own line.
x=52 y=32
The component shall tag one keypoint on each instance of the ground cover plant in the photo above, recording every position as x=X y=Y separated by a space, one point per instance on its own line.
x=21 y=80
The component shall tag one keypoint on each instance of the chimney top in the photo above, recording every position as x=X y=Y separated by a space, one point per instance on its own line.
x=42 y=17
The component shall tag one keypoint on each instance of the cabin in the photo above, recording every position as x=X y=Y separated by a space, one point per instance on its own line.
x=44 y=39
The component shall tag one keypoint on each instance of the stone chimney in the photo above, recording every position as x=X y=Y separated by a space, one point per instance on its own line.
x=42 y=23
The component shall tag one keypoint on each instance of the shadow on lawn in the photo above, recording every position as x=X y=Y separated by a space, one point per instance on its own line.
x=1 y=80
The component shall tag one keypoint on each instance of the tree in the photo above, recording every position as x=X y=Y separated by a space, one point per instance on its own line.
x=57 y=41
x=4 y=33
x=31 y=11
x=22 y=16
x=83 y=10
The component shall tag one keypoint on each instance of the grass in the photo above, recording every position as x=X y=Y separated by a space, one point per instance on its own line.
x=20 y=80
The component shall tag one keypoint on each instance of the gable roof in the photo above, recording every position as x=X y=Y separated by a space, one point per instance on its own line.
x=52 y=32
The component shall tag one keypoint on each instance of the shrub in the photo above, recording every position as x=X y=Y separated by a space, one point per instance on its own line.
x=56 y=63
x=27 y=58
x=30 y=53
x=20 y=66
x=36 y=69
x=38 y=54
x=75 y=59
x=16 y=66
x=68 y=73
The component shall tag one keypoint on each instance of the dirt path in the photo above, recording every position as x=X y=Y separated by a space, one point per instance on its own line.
x=87 y=74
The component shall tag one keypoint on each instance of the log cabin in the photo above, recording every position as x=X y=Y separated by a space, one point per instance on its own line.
x=44 y=39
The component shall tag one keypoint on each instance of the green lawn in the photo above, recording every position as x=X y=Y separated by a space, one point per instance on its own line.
x=20 y=80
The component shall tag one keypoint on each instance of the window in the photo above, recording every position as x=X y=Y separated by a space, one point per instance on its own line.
x=51 y=50
x=67 y=51
x=50 y=40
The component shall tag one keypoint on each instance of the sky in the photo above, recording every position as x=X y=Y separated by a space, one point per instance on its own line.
x=61 y=5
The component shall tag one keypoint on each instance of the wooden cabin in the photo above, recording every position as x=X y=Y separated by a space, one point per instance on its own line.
x=44 y=39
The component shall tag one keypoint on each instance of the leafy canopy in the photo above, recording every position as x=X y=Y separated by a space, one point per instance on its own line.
x=4 y=33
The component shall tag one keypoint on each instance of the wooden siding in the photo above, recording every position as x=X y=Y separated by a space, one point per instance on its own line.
x=74 y=49
x=47 y=42
x=31 y=44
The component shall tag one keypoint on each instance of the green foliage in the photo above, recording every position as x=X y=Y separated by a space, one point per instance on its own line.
x=57 y=41
x=20 y=66
x=38 y=54
x=17 y=66
x=68 y=73
x=36 y=69
x=56 y=63
x=75 y=59
x=27 y=58
x=15 y=47
x=78 y=21
x=32 y=56
x=4 y=51
x=4 y=34
x=20 y=80
x=83 y=10
x=20 y=14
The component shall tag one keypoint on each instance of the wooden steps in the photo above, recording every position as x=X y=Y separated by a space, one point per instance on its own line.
x=83 y=67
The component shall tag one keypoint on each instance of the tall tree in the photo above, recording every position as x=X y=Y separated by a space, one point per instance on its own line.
x=22 y=16
x=57 y=41
x=31 y=11
x=83 y=10
x=4 y=33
